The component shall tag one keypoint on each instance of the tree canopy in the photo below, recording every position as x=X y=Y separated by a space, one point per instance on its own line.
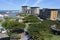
x=31 y=18
x=39 y=31
x=13 y=25
x=37 y=28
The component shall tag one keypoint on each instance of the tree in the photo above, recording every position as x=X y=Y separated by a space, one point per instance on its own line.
x=6 y=18
x=50 y=23
x=1 y=20
x=31 y=19
x=12 y=25
x=23 y=14
x=58 y=25
x=39 y=31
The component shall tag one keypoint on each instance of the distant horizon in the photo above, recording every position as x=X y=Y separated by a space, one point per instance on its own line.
x=21 y=9
x=13 y=9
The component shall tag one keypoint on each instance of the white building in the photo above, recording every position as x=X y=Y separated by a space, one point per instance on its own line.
x=31 y=10
x=3 y=15
x=25 y=9
x=35 y=10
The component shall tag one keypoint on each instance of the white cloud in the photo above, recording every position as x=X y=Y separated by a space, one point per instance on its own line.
x=38 y=1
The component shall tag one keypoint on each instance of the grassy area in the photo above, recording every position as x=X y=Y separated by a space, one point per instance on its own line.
x=55 y=37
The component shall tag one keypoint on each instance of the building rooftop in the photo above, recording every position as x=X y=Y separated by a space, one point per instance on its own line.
x=49 y=9
x=25 y=6
x=53 y=9
x=34 y=7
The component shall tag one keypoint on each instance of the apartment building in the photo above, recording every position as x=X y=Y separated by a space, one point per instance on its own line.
x=45 y=13
x=25 y=9
x=35 y=10
x=30 y=10
x=58 y=15
x=54 y=13
x=49 y=14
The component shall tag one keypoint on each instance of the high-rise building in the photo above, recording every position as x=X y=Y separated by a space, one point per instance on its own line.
x=58 y=15
x=45 y=13
x=54 y=14
x=35 y=10
x=31 y=10
x=25 y=9
x=50 y=14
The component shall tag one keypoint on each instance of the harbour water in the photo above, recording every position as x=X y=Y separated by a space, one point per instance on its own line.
x=10 y=13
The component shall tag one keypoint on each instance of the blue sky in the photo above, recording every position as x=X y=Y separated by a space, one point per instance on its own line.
x=16 y=4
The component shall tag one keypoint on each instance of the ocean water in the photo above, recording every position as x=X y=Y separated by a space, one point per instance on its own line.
x=11 y=13
x=4 y=11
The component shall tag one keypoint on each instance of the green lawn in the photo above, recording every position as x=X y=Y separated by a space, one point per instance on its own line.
x=55 y=37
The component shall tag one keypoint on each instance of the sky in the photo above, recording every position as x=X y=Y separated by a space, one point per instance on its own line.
x=16 y=4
